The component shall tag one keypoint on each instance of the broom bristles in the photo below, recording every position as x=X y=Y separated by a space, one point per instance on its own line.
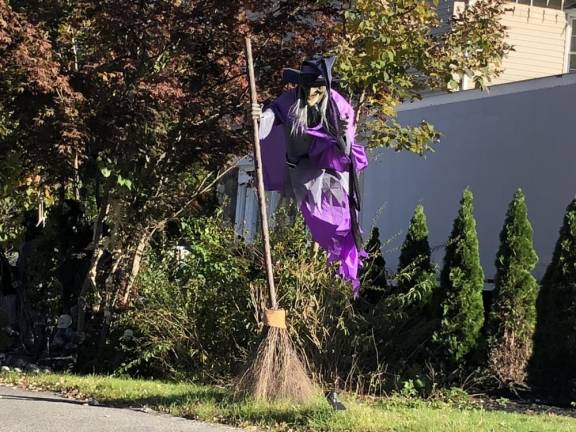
x=276 y=372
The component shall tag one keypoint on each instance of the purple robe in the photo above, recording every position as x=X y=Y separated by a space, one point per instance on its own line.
x=320 y=182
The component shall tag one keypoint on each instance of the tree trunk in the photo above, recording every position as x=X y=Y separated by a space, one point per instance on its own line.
x=109 y=301
x=89 y=283
x=24 y=315
x=90 y=279
x=136 y=262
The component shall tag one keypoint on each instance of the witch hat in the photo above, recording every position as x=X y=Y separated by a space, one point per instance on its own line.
x=313 y=72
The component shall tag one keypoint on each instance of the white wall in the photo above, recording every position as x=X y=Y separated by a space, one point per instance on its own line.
x=518 y=135
x=247 y=215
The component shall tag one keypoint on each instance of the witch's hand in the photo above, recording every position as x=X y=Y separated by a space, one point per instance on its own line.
x=343 y=125
x=256 y=111
x=342 y=139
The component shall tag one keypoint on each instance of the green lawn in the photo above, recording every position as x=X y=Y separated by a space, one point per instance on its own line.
x=215 y=405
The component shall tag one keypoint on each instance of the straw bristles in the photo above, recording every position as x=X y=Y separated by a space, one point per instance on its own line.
x=275 y=372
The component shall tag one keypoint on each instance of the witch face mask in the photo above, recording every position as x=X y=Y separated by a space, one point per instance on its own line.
x=314 y=95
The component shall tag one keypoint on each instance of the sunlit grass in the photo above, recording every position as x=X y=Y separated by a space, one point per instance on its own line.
x=215 y=404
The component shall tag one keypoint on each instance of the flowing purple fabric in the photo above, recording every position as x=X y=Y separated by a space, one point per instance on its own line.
x=325 y=203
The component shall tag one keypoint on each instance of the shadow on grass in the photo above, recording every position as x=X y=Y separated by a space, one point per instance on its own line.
x=223 y=406
x=40 y=399
x=210 y=396
x=206 y=403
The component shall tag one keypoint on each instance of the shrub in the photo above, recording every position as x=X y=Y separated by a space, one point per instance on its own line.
x=322 y=317
x=200 y=317
x=374 y=277
x=512 y=319
x=459 y=299
x=195 y=316
x=552 y=368
x=416 y=276
x=403 y=318
x=400 y=320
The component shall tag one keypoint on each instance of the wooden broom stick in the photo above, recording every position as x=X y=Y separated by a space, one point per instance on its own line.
x=275 y=372
x=260 y=182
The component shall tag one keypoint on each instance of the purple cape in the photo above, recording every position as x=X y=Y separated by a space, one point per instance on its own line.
x=325 y=203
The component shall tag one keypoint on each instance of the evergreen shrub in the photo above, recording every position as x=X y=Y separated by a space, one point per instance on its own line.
x=459 y=298
x=416 y=275
x=374 y=276
x=553 y=366
x=512 y=318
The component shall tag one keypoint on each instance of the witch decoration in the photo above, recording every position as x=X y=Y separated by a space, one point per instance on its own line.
x=309 y=152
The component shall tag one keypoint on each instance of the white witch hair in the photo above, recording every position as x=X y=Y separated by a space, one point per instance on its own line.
x=299 y=112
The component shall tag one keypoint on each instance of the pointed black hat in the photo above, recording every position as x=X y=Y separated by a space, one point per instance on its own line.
x=317 y=71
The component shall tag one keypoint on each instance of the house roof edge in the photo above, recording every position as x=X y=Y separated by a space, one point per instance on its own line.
x=493 y=91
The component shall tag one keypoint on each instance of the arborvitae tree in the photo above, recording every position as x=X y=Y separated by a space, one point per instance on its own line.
x=407 y=308
x=374 y=280
x=553 y=367
x=460 y=307
x=416 y=278
x=511 y=321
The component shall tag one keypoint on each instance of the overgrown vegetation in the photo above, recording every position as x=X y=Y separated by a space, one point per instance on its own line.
x=199 y=315
x=187 y=322
x=195 y=312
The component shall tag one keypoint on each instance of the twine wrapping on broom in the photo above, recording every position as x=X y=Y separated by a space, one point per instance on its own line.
x=275 y=318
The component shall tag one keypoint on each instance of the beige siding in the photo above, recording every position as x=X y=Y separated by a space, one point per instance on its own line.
x=539 y=39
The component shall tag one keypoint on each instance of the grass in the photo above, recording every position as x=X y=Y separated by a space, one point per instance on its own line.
x=214 y=404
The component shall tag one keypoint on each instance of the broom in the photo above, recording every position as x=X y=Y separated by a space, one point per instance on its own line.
x=274 y=372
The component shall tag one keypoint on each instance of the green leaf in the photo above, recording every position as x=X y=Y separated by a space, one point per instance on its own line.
x=105 y=171
x=453 y=85
x=124 y=182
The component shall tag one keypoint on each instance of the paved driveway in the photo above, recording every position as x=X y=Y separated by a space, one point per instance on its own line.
x=25 y=411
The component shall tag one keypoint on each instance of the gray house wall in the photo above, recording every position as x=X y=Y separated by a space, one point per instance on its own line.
x=518 y=135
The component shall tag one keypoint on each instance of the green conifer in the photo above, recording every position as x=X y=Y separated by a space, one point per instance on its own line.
x=416 y=276
x=512 y=318
x=553 y=367
x=460 y=307
x=374 y=279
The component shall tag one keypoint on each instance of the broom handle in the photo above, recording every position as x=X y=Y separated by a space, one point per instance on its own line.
x=260 y=179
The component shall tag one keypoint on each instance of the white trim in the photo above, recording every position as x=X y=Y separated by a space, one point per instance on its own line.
x=547 y=6
x=467 y=83
x=247 y=216
x=570 y=17
x=240 y=202
x=493 y=91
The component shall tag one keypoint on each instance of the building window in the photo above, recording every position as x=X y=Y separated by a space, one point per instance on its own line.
x=572 y=46
x=551 y=4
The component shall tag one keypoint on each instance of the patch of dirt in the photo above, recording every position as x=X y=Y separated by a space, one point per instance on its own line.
x=525 y=407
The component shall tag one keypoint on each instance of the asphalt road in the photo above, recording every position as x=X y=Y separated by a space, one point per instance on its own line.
x=26 y=411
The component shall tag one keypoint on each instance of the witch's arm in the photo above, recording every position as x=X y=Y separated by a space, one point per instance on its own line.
x=355 y=150
x=266 y=123
x=266 y=120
